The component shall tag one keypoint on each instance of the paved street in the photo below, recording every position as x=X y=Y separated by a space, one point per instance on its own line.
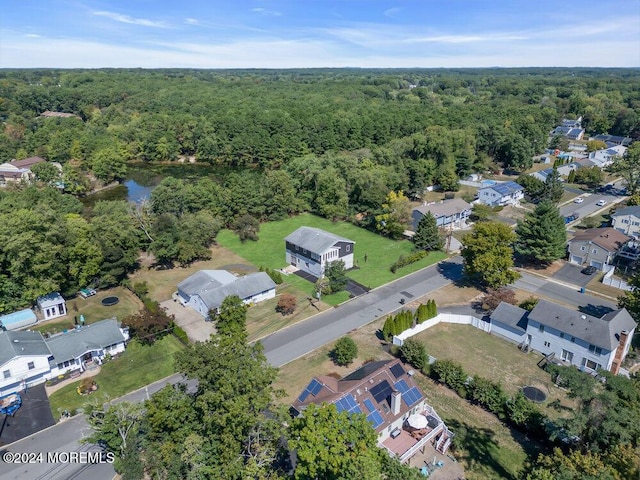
x=280 y=348
x=286 y=345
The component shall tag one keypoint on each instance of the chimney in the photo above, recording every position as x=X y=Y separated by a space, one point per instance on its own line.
x=396 y=397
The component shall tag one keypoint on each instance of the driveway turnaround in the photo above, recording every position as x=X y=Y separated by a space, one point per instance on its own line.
x=572 y=274
x=33 y=416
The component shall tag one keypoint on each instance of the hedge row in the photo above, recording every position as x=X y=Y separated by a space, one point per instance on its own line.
x=395 y=324
x=405 y=260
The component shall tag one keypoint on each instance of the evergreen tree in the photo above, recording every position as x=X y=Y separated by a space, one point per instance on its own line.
x=427 y=235
x=422 y=312
x=572 y=177
x=541 y=235
x=553 y=189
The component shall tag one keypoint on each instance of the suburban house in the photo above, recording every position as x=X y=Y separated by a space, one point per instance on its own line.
x=27 y=358
x=311 y=249
x=52 y=305
x=567 y=168
x=569 y=336
x=572 y=133
x=206 y=290
x=18 y=170
x=50 y=114
x=627 y=220
x=542 y=175
x=449 y=213
x=596 y=247
x=614 y=139
x=604 y=158
x=17 y=320
x=501 y=194
x=386 y=393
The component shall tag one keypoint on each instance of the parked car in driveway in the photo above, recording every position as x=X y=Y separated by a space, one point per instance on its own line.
x=578 y=200
x=601 y=203
x=590 y=270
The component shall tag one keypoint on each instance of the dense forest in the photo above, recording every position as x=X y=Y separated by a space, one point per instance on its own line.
x=340 y=143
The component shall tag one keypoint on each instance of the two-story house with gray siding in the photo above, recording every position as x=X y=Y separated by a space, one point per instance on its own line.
x=312 y=249
x=501 y=194
x=450 y=213
x=587 y=342
x=596 y=247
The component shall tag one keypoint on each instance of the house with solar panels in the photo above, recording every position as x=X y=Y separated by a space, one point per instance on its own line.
x=501 y=194
x=387 y=395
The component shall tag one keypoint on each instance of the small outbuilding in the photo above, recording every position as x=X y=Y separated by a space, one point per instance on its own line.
x=52 y=305
x=17 y=320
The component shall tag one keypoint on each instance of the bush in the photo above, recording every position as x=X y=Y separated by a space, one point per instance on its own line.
x=345 y=351
x=275 y=275
x=287 y=304
x=140 y=289
x=449 y=373
x=414 y=353
x=529 y=303
x=405 y=260
x=487 y=394
x=495 y=296
x=150 y=323
x=180 y=334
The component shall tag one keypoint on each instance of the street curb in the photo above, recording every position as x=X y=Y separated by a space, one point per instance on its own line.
x=568 y=285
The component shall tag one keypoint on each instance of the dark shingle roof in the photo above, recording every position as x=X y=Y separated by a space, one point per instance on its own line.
x=633 y=210
x=600 y=332
x=511 y=316
x=608 y=238
x=13 y=344
x=27 y=162
x=70 y=345
x=315 y=240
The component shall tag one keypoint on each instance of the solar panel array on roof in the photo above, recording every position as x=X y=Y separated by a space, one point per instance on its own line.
x=375 y=418
x=347 y=404
x=313 y=388
x=369 y=404
x=397 y=370
x=412 y=396
x=402 y=386
x=381 y=391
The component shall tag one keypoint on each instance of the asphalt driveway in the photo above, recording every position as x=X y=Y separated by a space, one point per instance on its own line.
x=34 y=415
x=572 y=274
x=354 y=288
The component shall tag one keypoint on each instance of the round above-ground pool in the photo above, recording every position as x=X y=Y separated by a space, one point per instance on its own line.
x=108 y=301
x=534 y=394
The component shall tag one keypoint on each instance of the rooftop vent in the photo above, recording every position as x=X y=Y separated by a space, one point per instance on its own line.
x=411 y=373
x=584 y=317
x=16 y=340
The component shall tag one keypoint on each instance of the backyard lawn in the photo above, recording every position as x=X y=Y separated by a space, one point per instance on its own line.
x=93 y=310
x=491 y=357
x=380 y=252
x=485 y=446
x=139 y=365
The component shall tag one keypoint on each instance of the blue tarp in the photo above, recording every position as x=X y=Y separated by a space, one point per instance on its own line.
x=10 y=403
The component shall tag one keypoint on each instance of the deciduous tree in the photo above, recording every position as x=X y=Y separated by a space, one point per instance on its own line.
x=345 y=351
x=488 y=255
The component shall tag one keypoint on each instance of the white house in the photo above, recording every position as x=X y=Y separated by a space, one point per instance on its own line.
x=542 y=175
x=501 y=194
x=206 y=290
x=27 y=358
x=386 y=393
x=587 y=342
x=627 y=220
x=311 y=249
x=24 y=360
x=604 y=158
x=18 y=170
x=52 y=305
x=449 y=213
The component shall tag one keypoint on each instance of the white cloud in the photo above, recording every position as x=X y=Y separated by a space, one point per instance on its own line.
x=32 y=35
x=265 y=12
x=192 y=21
x=392 y=12
x=118 y=17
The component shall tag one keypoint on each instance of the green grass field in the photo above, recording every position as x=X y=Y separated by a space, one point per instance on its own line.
x=138 y=366
x=381 y=253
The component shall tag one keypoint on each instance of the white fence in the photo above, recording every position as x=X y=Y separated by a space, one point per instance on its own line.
x=445 y=318
x=615 y=282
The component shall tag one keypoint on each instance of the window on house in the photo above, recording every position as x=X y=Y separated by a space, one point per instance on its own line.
x=635 y=224
x=594 y=349
x=573 y=339
x=567 y=356
x=583 y=249
x=541 y=328
x=348 y=248
x=31 y=365
x=6 y=373
x=561 y=334
x=591 y=364
x=547 y=344
x=595 y=250
x=625 y=221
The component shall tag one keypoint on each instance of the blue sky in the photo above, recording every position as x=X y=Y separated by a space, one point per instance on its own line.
x=319 y=33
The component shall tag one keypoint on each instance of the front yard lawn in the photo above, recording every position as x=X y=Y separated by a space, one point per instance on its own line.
x=381 y=253
x=137 y=366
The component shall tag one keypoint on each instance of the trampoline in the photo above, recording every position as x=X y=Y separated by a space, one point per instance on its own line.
x=534 y=394
x=108 y=301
